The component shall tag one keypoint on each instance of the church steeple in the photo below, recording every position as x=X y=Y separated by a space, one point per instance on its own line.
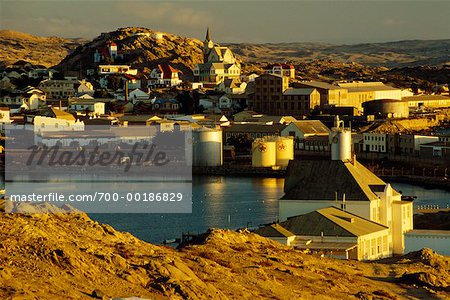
x=207 y=35
x=207 y=46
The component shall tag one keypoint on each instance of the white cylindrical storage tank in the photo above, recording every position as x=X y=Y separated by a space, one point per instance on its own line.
x=207 y=148
x=341 y=145
x=285 y=151
x=264 y=153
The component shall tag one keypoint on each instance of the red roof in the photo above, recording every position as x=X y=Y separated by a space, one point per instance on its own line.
x=111 y=44
x=167 y=70
x=130 y=77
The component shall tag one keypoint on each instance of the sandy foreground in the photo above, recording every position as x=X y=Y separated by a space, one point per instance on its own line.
x=70 y=256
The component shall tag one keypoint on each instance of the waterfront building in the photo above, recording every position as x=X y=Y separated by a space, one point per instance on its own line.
x=252 y=131
x=439 y=149
x=375 y=142
x=345 y=183
x=408 y=144
x=333 y=231
x=304 y=131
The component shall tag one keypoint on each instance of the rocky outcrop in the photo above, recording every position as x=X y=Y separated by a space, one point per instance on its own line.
x=141 y=49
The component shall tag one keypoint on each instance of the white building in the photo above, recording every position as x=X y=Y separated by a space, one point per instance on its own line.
x=88 y=107
x=56 y=120
x=164 y=75
x=335 y=233
x=375 y=142
x=345 y=183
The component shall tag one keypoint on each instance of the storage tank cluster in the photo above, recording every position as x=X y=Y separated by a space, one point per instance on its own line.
x=341 y=141
x=386 y=108
x=272 y=152
x=207 y=147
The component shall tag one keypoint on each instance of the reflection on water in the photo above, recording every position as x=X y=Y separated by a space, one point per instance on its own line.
x=221 y=202
x=231 y=202
x=424 y=196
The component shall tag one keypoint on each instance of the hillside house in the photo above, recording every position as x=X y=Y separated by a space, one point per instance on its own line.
x=164 y=75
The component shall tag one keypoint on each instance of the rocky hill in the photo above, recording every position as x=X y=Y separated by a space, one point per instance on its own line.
x=140 y=50
x=46 y=51
x=390 y=54
x=69 y=256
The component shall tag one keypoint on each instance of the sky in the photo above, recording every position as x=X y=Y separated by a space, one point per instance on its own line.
x=338 y=22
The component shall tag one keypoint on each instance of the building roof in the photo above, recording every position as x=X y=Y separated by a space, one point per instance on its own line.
x=328 y=179
x=365 y=86
x=59 y=114
x=312 y=127
x=319 y=84
x=436 y=144
x=331 y=221
x=255 y=128
x=298 y=91
x=138 y=118
x=274 y=230
x=232 y=83
x=426 y=98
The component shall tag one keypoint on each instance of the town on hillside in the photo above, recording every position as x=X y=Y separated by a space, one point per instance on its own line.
x=338 y=143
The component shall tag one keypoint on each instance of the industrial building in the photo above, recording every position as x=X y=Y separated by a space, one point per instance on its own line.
x=336 y=232
x=386 y=108
x=345 y=183
x=304 y=130
x=272 y=152
x=272 y=95
x=207 y=148
x=429 y=101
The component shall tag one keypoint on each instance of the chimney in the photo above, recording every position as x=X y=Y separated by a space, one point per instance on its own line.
x=126 y=90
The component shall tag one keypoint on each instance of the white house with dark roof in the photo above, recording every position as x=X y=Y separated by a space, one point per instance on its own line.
x=345 y=183
x=334 y=232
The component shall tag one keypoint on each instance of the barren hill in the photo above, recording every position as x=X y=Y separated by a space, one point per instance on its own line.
x=69 y=256
x=389 y=54
x=46 y=51
x=141 y=50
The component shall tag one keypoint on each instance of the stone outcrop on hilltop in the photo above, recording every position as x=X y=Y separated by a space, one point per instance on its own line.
x=141 y=48
x=46 y=51
x=70 y=256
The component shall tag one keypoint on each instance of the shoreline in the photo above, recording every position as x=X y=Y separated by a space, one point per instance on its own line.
x=248 y=171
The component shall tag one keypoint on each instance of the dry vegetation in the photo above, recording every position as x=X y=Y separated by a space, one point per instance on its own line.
x=46 y=51
x=69 y=256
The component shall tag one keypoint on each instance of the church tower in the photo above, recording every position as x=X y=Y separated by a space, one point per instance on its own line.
x=207 y=46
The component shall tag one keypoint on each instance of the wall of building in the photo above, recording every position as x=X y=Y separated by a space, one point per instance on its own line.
x=402 y=221
x=374 y=245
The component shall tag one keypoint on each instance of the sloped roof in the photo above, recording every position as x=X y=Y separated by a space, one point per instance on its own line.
x=59 y=114
x=312 y=127
x=255 y=128
x=298 y=91
x=274 y=230
x=232 y=82
x=322 y=179
x=331 y=221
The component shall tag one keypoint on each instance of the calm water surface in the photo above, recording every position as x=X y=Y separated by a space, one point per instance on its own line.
x=230 y=202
